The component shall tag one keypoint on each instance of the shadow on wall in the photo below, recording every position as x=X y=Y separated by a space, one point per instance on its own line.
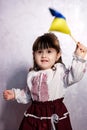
x=13 y=112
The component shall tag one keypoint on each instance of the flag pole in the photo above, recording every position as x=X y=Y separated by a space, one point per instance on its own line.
x=73 y=39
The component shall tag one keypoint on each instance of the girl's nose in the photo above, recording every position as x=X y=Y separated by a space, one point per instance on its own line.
x=43 y=54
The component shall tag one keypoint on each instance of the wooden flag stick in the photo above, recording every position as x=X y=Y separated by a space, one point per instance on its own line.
x=73 y=39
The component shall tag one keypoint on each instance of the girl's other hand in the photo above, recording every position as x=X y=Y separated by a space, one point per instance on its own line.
x=8 y=95
x=81 y=50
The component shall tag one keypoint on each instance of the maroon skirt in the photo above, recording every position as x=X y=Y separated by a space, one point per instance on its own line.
x=39 y=115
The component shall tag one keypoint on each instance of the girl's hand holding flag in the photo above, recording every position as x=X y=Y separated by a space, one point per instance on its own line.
x=81 y=51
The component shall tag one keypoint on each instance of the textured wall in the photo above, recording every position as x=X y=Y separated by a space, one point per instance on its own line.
x=21 y=21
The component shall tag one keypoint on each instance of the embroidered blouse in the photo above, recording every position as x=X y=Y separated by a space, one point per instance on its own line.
x=48 y=85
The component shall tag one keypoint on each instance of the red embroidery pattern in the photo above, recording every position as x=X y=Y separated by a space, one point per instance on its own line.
x=24 y=91
x=44 y=88
x=39 y=89
x=84 y=70
x=35 y=88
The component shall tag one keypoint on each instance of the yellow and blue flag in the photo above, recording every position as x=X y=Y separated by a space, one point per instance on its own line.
x=59 y=22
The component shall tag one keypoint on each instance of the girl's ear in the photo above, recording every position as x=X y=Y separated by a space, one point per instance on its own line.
x=58 y=56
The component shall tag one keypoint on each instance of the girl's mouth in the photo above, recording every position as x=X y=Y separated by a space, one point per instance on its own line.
x=44 y=60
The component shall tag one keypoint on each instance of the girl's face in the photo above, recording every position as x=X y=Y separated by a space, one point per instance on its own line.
x=46 y=58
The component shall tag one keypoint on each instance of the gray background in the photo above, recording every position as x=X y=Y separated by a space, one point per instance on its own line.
x=21 y=21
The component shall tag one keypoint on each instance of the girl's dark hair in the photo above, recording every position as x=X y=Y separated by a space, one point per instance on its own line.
x=48 y=40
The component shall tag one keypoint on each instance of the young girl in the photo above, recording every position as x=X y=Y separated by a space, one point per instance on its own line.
x=47 y=82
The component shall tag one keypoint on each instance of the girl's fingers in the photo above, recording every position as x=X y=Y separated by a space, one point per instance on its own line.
x=81 y=50
x=8 y=94
x=81 y=46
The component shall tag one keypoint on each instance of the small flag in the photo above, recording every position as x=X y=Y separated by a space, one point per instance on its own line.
x=59 y=22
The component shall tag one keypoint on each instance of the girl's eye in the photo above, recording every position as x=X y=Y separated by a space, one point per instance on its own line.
x=49 y=51
x=39 y=51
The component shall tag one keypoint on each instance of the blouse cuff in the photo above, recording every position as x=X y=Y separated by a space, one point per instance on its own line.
x=14 y=93
x=76 y=57
x=13 y=89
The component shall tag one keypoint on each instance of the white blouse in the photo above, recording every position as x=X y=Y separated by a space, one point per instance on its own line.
x=48 y=85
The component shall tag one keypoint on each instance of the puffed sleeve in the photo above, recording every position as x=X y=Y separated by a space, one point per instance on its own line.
x=75 y=72
x=22 y=95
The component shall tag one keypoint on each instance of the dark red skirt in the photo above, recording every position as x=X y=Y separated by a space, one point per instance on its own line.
x=46 y=109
